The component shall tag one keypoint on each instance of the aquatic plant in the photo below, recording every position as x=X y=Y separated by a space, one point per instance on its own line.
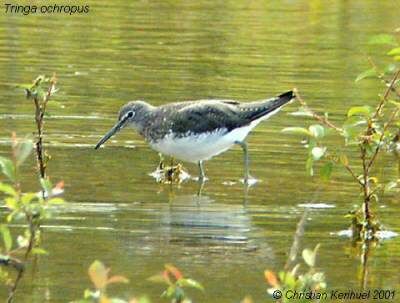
x=171 y=276
x=28 y=208
x=367 y=130
x=288 y=283
x=176 y=282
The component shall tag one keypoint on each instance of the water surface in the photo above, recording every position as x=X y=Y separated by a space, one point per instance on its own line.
x=165 y=51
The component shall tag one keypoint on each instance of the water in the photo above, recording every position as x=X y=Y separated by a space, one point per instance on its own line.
x=171 y=51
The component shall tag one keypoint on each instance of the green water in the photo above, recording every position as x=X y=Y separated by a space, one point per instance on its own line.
x=165 y=51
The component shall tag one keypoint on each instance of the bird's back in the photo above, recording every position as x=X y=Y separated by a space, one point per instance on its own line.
x=190 y=118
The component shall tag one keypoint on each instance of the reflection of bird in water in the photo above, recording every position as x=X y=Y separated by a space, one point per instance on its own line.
x=196 y=131
x=197 y=226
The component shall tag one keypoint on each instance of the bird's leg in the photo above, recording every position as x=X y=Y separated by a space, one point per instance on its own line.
x=243 y=145
x=202 y=175
x=161 y=164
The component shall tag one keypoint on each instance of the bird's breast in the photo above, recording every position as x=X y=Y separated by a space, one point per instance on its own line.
x=193 y=147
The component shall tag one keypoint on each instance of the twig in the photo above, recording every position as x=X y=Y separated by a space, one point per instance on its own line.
x=320 y=118
x=348 y=168
x=386 y=94
x=378 y=147
x=296 y=241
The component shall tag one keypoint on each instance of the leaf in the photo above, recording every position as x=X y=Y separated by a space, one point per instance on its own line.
x=382 y=39
x=309 y=255
x=23 y=150
x=8 y=189
x=369 y=73
x=317 y=130
x=326 y=171
x=56 y=201
x=39 y=251
x=174 y=271
x=271 y=278
x=302 y=112
x=394 y=52
x=397 y=104
x=7 y=167
x=46 y=185
x=343 y=160
x=159 y=278
x=360 y=110
x=297 y=131
x=98 y=274
x=318 y=152
x=7 y=239
x=28 y=198
x=117 y=279
x=191 y=283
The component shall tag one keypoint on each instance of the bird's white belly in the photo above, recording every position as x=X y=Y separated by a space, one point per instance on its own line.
x=194 y=148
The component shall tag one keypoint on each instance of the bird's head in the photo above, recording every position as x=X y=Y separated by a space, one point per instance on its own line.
x=132 y=114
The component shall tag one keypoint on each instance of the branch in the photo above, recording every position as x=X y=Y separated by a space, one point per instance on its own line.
x=320 y=118
x=381 y=76
x=386 y=95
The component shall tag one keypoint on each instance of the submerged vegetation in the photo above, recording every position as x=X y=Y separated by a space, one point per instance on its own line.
x=366 y=132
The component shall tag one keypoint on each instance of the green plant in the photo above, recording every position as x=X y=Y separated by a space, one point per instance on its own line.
x=30 y=208
x=101 y=279
x=176 y=282
x=290 y=282
x=40 y=91
x=366 y=129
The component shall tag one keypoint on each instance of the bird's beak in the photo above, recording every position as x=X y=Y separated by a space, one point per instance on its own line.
x=117 y=127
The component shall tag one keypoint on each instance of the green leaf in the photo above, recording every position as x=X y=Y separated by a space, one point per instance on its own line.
x=369 y=73
x=326 y=171
x=98 y=274
x=395 y=103
x=46 y=185
x=23 y=151
x=394 y=52
x=302 y=112
x=318 y=152
x=7 y=239
x=28 y=198
x=56 y=201
x=190 y=283
x=364 y=110
x=317 y=130
x=7 y=168
x=39 y=251
x=343 y=160
x=297 y=131
x=382 y=39
x=8 y=189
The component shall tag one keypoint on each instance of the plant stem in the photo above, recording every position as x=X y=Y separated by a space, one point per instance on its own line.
x=322 y=119
x=386 y=94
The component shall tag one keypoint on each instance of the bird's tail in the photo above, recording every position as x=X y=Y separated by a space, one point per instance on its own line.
x=268 y=107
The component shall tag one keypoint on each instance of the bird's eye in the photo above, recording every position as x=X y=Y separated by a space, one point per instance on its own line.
x=130 y=114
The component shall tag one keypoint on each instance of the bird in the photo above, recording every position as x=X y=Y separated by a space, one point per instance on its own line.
x=196 y=131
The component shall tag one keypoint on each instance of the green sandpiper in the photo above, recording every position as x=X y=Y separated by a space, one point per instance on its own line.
x=196 y=131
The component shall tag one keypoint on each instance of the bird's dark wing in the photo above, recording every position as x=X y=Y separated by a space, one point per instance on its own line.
x=193 y=117
x=206 y=116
